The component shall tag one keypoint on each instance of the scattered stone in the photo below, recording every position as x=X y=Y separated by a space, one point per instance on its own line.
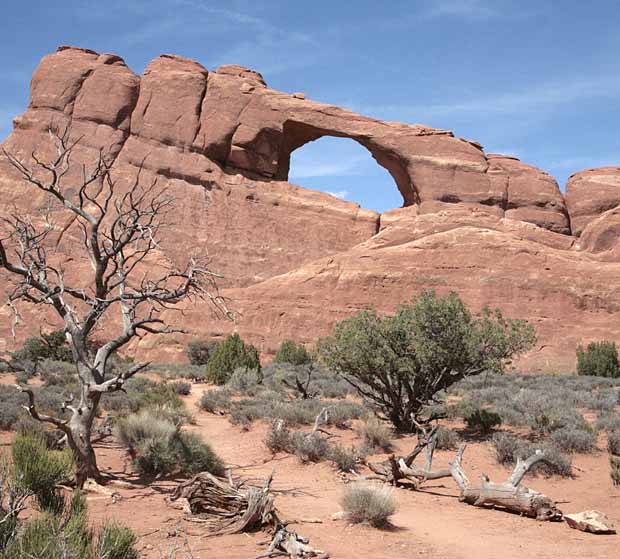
x=299 y=95
x=591 y=521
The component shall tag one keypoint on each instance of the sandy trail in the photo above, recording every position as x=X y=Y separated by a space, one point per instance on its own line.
x=429 y=523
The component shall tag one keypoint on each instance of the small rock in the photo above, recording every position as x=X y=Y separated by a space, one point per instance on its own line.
x=246 y=87
x=590 y=521
x=339 y=515
x=299 y=95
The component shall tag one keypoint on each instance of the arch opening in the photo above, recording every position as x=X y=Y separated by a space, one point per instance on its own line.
x=348 y=167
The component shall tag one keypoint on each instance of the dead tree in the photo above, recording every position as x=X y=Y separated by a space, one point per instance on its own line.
x=509 y=495
x=395 y=469
x=227 y=507
x=302 y=387
x=286 y=543
x=119 y=230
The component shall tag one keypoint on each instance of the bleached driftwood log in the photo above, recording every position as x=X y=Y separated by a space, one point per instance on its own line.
x=509 y=495
x=227 y=507
x=395 y=469
x=290 y=544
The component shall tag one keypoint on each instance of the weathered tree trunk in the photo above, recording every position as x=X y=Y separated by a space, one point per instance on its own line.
x=508 y=495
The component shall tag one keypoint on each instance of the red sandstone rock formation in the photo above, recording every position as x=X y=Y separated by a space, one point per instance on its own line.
x=491 y=227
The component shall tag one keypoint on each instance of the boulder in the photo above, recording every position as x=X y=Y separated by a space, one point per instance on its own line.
x=591 y=521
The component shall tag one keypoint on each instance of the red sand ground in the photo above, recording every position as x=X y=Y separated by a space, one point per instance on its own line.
x=429 y=523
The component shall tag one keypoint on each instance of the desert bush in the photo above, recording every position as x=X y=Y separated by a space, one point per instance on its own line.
x=368 y=503
x=278 y=438
x=309 y=448
x=447 y=439
x=11 y=402
x=598 y=359
x=213 y=401
x=614 y=469
x=509 y=447
x=46 y=346
x=613 y=442
x=199 y=351
x=197 y=456
x=245 y=381
x=181 y=388
x=158 y=446
x=290 y=352
x=65 y=534
x=344 y=458
x=572 y=440
x=482 y=421
x=40 y=470
x=230 y=355
x=281 y=377
x=376 y=435
x=608 y=422
x=115 y=542
x=400 y=362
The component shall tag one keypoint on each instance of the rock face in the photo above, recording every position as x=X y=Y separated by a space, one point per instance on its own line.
x=294 y=260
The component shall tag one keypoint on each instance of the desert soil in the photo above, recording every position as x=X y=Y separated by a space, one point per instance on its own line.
x=429 y=523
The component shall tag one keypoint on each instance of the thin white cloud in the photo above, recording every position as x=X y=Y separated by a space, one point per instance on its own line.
x=342 y=194
x=585 y=162
x=545 y=96
x=470 y=9
x=323 y=165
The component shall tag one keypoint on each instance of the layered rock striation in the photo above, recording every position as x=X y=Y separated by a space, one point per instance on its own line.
x=294 y=260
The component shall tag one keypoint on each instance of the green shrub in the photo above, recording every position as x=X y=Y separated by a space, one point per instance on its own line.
x=376 y=435
x=509 y=447
x=115 y=542
x=345 y=459
x=309 y=448
x=181 y=388
x=483 y=421
x=197 y=456
x=245 y=381
x=369 y=504
x=230 y=355
x=613 y=442
x=290 y=352
x=598 y=359
x=40 y=470
x=199 y=351
x=571 y=440
x=278 y=438
x=11 y=402
x=214 y=401
x=158 y=446
x=447 y=439
x=47 y=346
x=614 y=469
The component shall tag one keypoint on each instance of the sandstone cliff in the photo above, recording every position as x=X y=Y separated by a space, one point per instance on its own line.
x=495 y=229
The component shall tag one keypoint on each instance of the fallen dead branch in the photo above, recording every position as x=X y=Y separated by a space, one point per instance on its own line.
x=395 y=469
x=509 y=495
x=286 y=543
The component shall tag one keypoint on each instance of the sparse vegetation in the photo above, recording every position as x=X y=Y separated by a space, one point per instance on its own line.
x=482 y=421
x=369 y=504
x=376 y=435
x=399 y=363
x=199 y=351
x=60 y=530
x=158 y=446
x=292 y=353
x=509 y=447
x=231 y=354
x=598 y=359
x=447 y=439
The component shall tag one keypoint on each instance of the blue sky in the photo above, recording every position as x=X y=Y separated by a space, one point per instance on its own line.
x=536 y=79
